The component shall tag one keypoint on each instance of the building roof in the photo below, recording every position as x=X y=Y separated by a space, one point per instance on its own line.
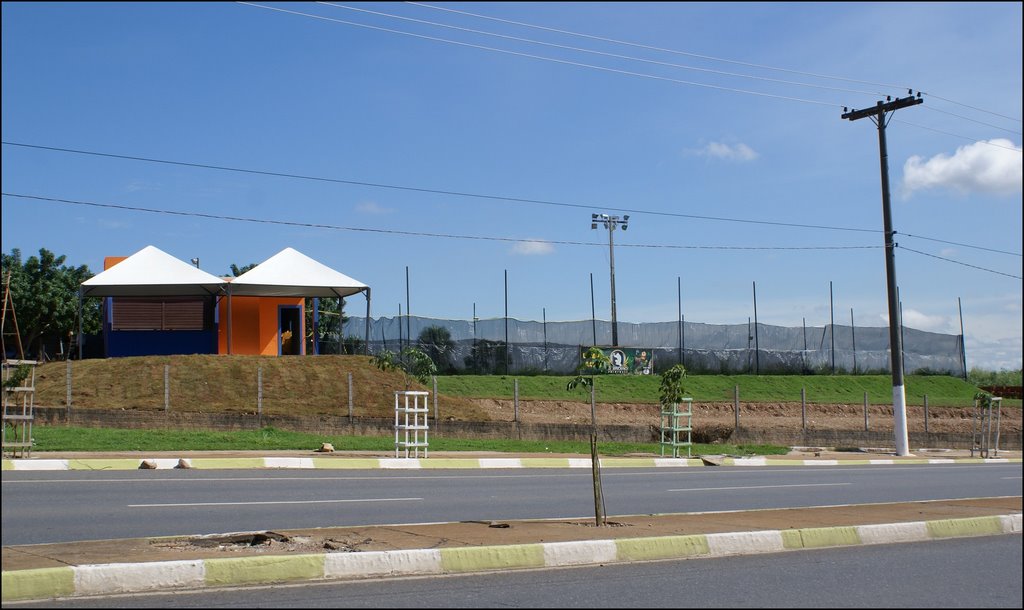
x=290 y=273
x=152 y=272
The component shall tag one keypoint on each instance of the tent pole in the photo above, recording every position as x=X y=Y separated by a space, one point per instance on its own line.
x=229 y=319
x=366 y=343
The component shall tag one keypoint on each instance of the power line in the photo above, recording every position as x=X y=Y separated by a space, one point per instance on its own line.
x=602 y=53
x=661 y=49
x=1003 y=116
x=583 y=65
x=438 y=191
x=949 y=260
x=708 y=57
x=974 y=120
x=542 y=58
x=942 y=241
x=412 y=233
x=478 y=195
x=457 y=236
x=956 y=135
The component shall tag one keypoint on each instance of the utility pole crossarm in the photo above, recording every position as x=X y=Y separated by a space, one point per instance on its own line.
x=882 y=108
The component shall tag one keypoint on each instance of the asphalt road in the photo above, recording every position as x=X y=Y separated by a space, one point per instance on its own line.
x=958 y=573
x=45 y=507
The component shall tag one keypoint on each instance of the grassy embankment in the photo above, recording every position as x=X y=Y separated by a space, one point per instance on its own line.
x=319 y=386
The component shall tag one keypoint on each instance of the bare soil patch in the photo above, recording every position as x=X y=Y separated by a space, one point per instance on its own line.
x=781 y=416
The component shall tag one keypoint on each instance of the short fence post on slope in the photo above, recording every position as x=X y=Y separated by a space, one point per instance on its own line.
x=736 y=405
x=803 y=408
x=926 y=414
x=865 y=411
x=515 y=400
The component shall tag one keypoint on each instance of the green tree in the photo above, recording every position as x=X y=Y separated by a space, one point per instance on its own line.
x=411 y=361
x=483 y=358
x=436 y=342
x=671 y=387
x=237 y=271
x=45 y=292
x=330 y=324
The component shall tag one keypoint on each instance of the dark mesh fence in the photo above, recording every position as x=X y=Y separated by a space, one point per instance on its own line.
x=533 y=347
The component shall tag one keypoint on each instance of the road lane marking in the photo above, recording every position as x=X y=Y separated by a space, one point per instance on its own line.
x=273 y=502
x=760 y=487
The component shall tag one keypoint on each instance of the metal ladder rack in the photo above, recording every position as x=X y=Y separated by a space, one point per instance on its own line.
x=411 y=425
x=19 y=407
x=672 y=419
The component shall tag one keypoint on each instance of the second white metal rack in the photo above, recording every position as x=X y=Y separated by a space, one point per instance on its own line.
x=411 y=423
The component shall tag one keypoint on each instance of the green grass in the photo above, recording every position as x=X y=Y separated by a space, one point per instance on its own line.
x=942 y=391
x=66 y=438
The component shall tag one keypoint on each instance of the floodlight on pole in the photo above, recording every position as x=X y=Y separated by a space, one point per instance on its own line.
x=610 y=223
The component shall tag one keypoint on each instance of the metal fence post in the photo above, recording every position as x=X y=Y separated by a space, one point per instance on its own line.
x=515 y=399
x=926 y=414
x=803 y=408
x=259 y=396
x=865 y=411
x=167 y=388
x=435 y=399
x=350 y=395
x=736 y=405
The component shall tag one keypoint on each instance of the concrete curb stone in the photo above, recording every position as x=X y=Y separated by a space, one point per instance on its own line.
x=115 y=578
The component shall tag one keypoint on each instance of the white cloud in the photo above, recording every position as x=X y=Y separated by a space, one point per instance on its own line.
x=736 y=152
x=982 y=167
x=372 y=207
x=533 y=247
x=921 y=321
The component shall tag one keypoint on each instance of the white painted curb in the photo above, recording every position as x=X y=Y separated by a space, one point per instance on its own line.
x=104 y=579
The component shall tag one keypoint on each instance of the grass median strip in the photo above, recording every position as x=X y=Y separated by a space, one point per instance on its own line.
x=70 y=438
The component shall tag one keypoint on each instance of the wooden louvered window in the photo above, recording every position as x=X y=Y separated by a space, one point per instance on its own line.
x=158 y=314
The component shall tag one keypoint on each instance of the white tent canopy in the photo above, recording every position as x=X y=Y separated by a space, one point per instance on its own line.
x=152 y=272
x=290 y=273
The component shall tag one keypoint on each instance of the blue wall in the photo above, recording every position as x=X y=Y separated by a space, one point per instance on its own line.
x=160 y=342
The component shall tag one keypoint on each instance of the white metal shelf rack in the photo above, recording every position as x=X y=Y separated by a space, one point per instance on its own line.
x=411 y=425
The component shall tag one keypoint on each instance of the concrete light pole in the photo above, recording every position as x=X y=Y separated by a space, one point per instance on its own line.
x=610 y=223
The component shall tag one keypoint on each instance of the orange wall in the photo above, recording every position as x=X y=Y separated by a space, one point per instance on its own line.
x=110 y=261
x=254 y=325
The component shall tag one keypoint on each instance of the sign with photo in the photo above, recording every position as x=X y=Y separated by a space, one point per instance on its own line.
x=629 y=360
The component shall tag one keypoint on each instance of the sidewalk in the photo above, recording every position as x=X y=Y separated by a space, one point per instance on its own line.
x=150 y=564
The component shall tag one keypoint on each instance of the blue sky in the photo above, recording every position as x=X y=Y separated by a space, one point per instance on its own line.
x=735 y=169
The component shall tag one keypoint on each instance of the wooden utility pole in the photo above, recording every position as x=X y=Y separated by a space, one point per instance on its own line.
x=899 y=397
